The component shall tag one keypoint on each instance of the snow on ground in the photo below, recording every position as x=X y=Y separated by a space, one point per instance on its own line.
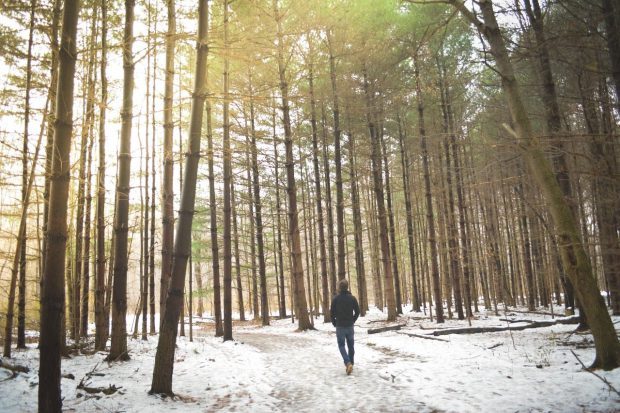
x=276 y=369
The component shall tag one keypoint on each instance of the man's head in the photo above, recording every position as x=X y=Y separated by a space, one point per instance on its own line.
x=343 y=285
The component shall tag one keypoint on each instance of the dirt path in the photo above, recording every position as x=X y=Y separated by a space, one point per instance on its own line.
x=306 y=374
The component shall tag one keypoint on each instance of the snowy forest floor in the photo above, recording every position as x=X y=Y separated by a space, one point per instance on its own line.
x=275 y=368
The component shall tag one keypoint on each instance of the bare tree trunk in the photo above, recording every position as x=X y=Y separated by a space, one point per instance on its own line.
x=416 y=299
x=357 y=229
x=215 y=255
x=152 y=230
x=325 y=300
x=87 y=231
x=282 y=304
x=337 y=161
x=118 y=348
x=198 y=274
x=21 y=305
x=379 y=196
x=101 y=325
x=52 y=283
x=455 y=268
x=168 y=173
x=429 y=201
x=297 y=270
x=227 y=253
x=328 y=206
x=164 y=358
x=392 y=227
x=56 y=15
x=237 y=253
x=260 y=244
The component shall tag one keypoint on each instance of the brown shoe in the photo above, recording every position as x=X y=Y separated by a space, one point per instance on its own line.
x=349 y=368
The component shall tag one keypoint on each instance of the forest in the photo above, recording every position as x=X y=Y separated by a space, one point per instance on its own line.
x=210 y=170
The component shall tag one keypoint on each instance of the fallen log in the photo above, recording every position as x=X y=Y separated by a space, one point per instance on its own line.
x=478 y=330
x=384 y=329
x=15 y=368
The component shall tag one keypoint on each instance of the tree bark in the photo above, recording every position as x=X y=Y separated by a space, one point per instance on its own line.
x=164 y=357
x=237 y=253
x=260 y=243
x=118 y=348
x=101 y=325
x=227 y=252
x=379 y=196
x=429 y=201
x=416 y=299
x=338 y=161
x=52 y=283
x=167 y=237
x=325 y=300
x=21 y=305
x=297 y=270
x=215 y=255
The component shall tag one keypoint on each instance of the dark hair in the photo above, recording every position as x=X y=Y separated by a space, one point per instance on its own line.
x=343 y=285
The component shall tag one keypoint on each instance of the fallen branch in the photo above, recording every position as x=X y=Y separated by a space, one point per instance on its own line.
x=15 y=368
x=425 y=337
x=603 y=379
x=111 y=389
x=384 y=329
x=478 y=330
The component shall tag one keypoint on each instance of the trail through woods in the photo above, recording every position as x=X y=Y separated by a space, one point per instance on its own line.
x=306 y=373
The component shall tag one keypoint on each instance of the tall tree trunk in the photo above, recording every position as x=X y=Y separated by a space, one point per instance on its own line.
x=304 y=322
x=282 y=303
x=227 y=253
x=152 y=223
x=56 y=16
x=237 y=253
x=87 y=231
x=147 y=218
x=90 y=120
x=360 y=269
x=392 y=227
x=260 y=244
x=325 y=300
x=215 y=255
x=52 y=283
x=328 y=206
x=167 y=237
x=404 y=159
x=337 y=161
x=429 y=201
x=164 y=357
x=198 y=274
x=252 y=220
x=21 y=305
x=101 y=325
x=574 y=256
x=455 y=268
x=379 y=196
x=118 y=348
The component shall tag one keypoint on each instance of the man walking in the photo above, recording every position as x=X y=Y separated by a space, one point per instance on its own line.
x=344 y=312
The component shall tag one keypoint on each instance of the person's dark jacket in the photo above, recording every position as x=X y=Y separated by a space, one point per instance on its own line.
x=344 y=310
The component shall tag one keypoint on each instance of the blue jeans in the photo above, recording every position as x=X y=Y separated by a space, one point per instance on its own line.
x=342 y=334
